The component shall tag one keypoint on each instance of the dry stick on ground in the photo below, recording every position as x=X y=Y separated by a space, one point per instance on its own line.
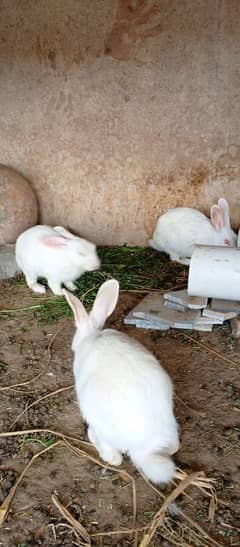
x=60 y=390
x=181 y=536
x=128 y=531
x=207 y=488
x=225 y=525
x=202 y=481
x=6 y=504
x=158 y=518
x=180 y=511
x=81 y=453
x=210 y=350
x=74 y=523
x=6 y=434
x=190 y=409
x=5 y=388
x=18 y=392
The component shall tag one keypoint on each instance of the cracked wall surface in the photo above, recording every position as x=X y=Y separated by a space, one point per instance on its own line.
x=118 y=109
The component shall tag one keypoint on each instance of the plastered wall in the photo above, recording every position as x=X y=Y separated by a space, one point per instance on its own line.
x=116 y=110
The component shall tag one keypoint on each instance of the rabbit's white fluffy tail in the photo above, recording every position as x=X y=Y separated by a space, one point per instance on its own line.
x=157 y=467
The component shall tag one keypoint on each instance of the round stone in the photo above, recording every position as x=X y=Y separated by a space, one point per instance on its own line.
x=18 y=205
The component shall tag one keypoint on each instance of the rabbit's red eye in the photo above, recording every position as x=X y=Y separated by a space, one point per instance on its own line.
x=227 y=242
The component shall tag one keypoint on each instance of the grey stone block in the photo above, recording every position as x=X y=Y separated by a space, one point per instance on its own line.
x=225 y=305
x=203 y=327
x=205 y=324
x=182 y=298
x=8 y=265
x=129 y=319
x=209 y=320
x=174 y=306
x=142 y=323
x=218 y=315
x=152 y=308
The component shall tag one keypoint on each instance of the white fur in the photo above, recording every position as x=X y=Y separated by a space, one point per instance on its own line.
x=57 y=255
x=124 y=394
x=178 y=230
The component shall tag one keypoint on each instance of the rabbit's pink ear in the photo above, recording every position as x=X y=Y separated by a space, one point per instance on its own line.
x=78 y=309
x=105 y=302
x=217 y=217
x=64 y=233
x=51 y=241
x=223 y=204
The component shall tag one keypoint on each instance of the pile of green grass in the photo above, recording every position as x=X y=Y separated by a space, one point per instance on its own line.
x=136 y=268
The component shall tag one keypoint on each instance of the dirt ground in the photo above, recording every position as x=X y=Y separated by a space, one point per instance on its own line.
x=207 y=407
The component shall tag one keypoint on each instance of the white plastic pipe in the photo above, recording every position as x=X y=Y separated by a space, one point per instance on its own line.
x=215 y=272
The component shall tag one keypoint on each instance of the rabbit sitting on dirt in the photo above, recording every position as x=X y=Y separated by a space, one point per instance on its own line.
x=124 y=394
x=57 y=255
x=178 y=230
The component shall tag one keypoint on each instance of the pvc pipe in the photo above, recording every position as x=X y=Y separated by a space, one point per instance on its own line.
x=215 y=272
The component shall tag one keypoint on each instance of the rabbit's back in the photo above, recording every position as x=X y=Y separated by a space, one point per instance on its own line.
x=179 y=229
x=182 y=221
x=123 y=391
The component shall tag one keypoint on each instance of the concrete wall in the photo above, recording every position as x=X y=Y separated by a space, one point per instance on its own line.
x=118 y=109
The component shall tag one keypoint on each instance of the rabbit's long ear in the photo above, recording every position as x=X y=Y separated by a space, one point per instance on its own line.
x=63 y=232
x=105 y=302
x=223 y=204
x=78 y=309
x=217 y=217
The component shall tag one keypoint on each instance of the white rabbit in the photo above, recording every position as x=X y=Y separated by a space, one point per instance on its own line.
x=178 y=230
x=57 y=255
x=124 y=394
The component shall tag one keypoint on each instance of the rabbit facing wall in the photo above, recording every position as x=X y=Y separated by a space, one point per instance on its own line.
x=179 y=229
x=124 y=394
